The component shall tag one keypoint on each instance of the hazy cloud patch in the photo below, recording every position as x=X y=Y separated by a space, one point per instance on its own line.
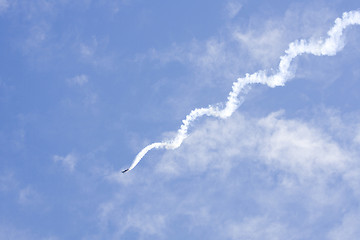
x=348 y=229
x=79 y=80
x=233 y=8
x=69 y=161
x=280 y=176
x=259 y=228
x=3 y=6
x=292 y=145
x=28 y=196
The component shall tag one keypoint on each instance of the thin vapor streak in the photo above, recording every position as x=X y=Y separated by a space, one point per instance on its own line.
x=330 y=46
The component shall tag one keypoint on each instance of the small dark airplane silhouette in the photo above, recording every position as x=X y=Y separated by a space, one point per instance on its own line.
x=124 y=171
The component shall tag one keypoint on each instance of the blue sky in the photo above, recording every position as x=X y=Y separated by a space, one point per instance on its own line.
x=85 y=85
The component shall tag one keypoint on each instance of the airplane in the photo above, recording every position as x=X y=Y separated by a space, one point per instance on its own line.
x=124 y=171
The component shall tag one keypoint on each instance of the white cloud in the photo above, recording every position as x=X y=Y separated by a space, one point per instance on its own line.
x=141 y=219
x=266 y=39
x=118 y=177
x=79 y=80
x=238 y=50
x=36 y=41
x=105 y=210
x=213 y=61
x=290 y=145
x=28 y=196
x=244 y=178
x=69 y=161
x=348 y=229
x=282 y=177
x=264 y=46
x=328 y=47
x=87 y=51
x=88 y=97
x=299 y=147
x=352 y=176
x=233 y=8
x=146 y=224
x=259 y=228
x=357 y=137
x=95 y=52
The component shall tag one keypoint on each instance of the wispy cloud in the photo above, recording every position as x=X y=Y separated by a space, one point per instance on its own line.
x=69 y=161
x=233 y=8
x=37 y=37
x=28 y=196
x=264 y=40
x=251 y=178
x=348 y=229
x=87 y=51
x=222 y=57
x=292 y=145
x=146 y=223
x=83 y=89
x=94 y=52
x=357 y=138
x=212 y=60
x=275 y=78
x=258 y=228
x=79 y=80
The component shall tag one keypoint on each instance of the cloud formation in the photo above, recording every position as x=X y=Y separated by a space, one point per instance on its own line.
x=233 y=8
x=251 y=178
x=28 y=196
x=69 y=161
x=319 y=47
x=293 y=146
x=78 y=80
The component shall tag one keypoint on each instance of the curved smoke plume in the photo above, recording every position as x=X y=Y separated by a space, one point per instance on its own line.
x=329 y=46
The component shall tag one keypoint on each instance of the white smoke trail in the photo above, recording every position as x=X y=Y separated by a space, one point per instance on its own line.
x=330 y=46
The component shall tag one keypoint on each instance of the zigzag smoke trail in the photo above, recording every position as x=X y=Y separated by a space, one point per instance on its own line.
x=322 y=47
